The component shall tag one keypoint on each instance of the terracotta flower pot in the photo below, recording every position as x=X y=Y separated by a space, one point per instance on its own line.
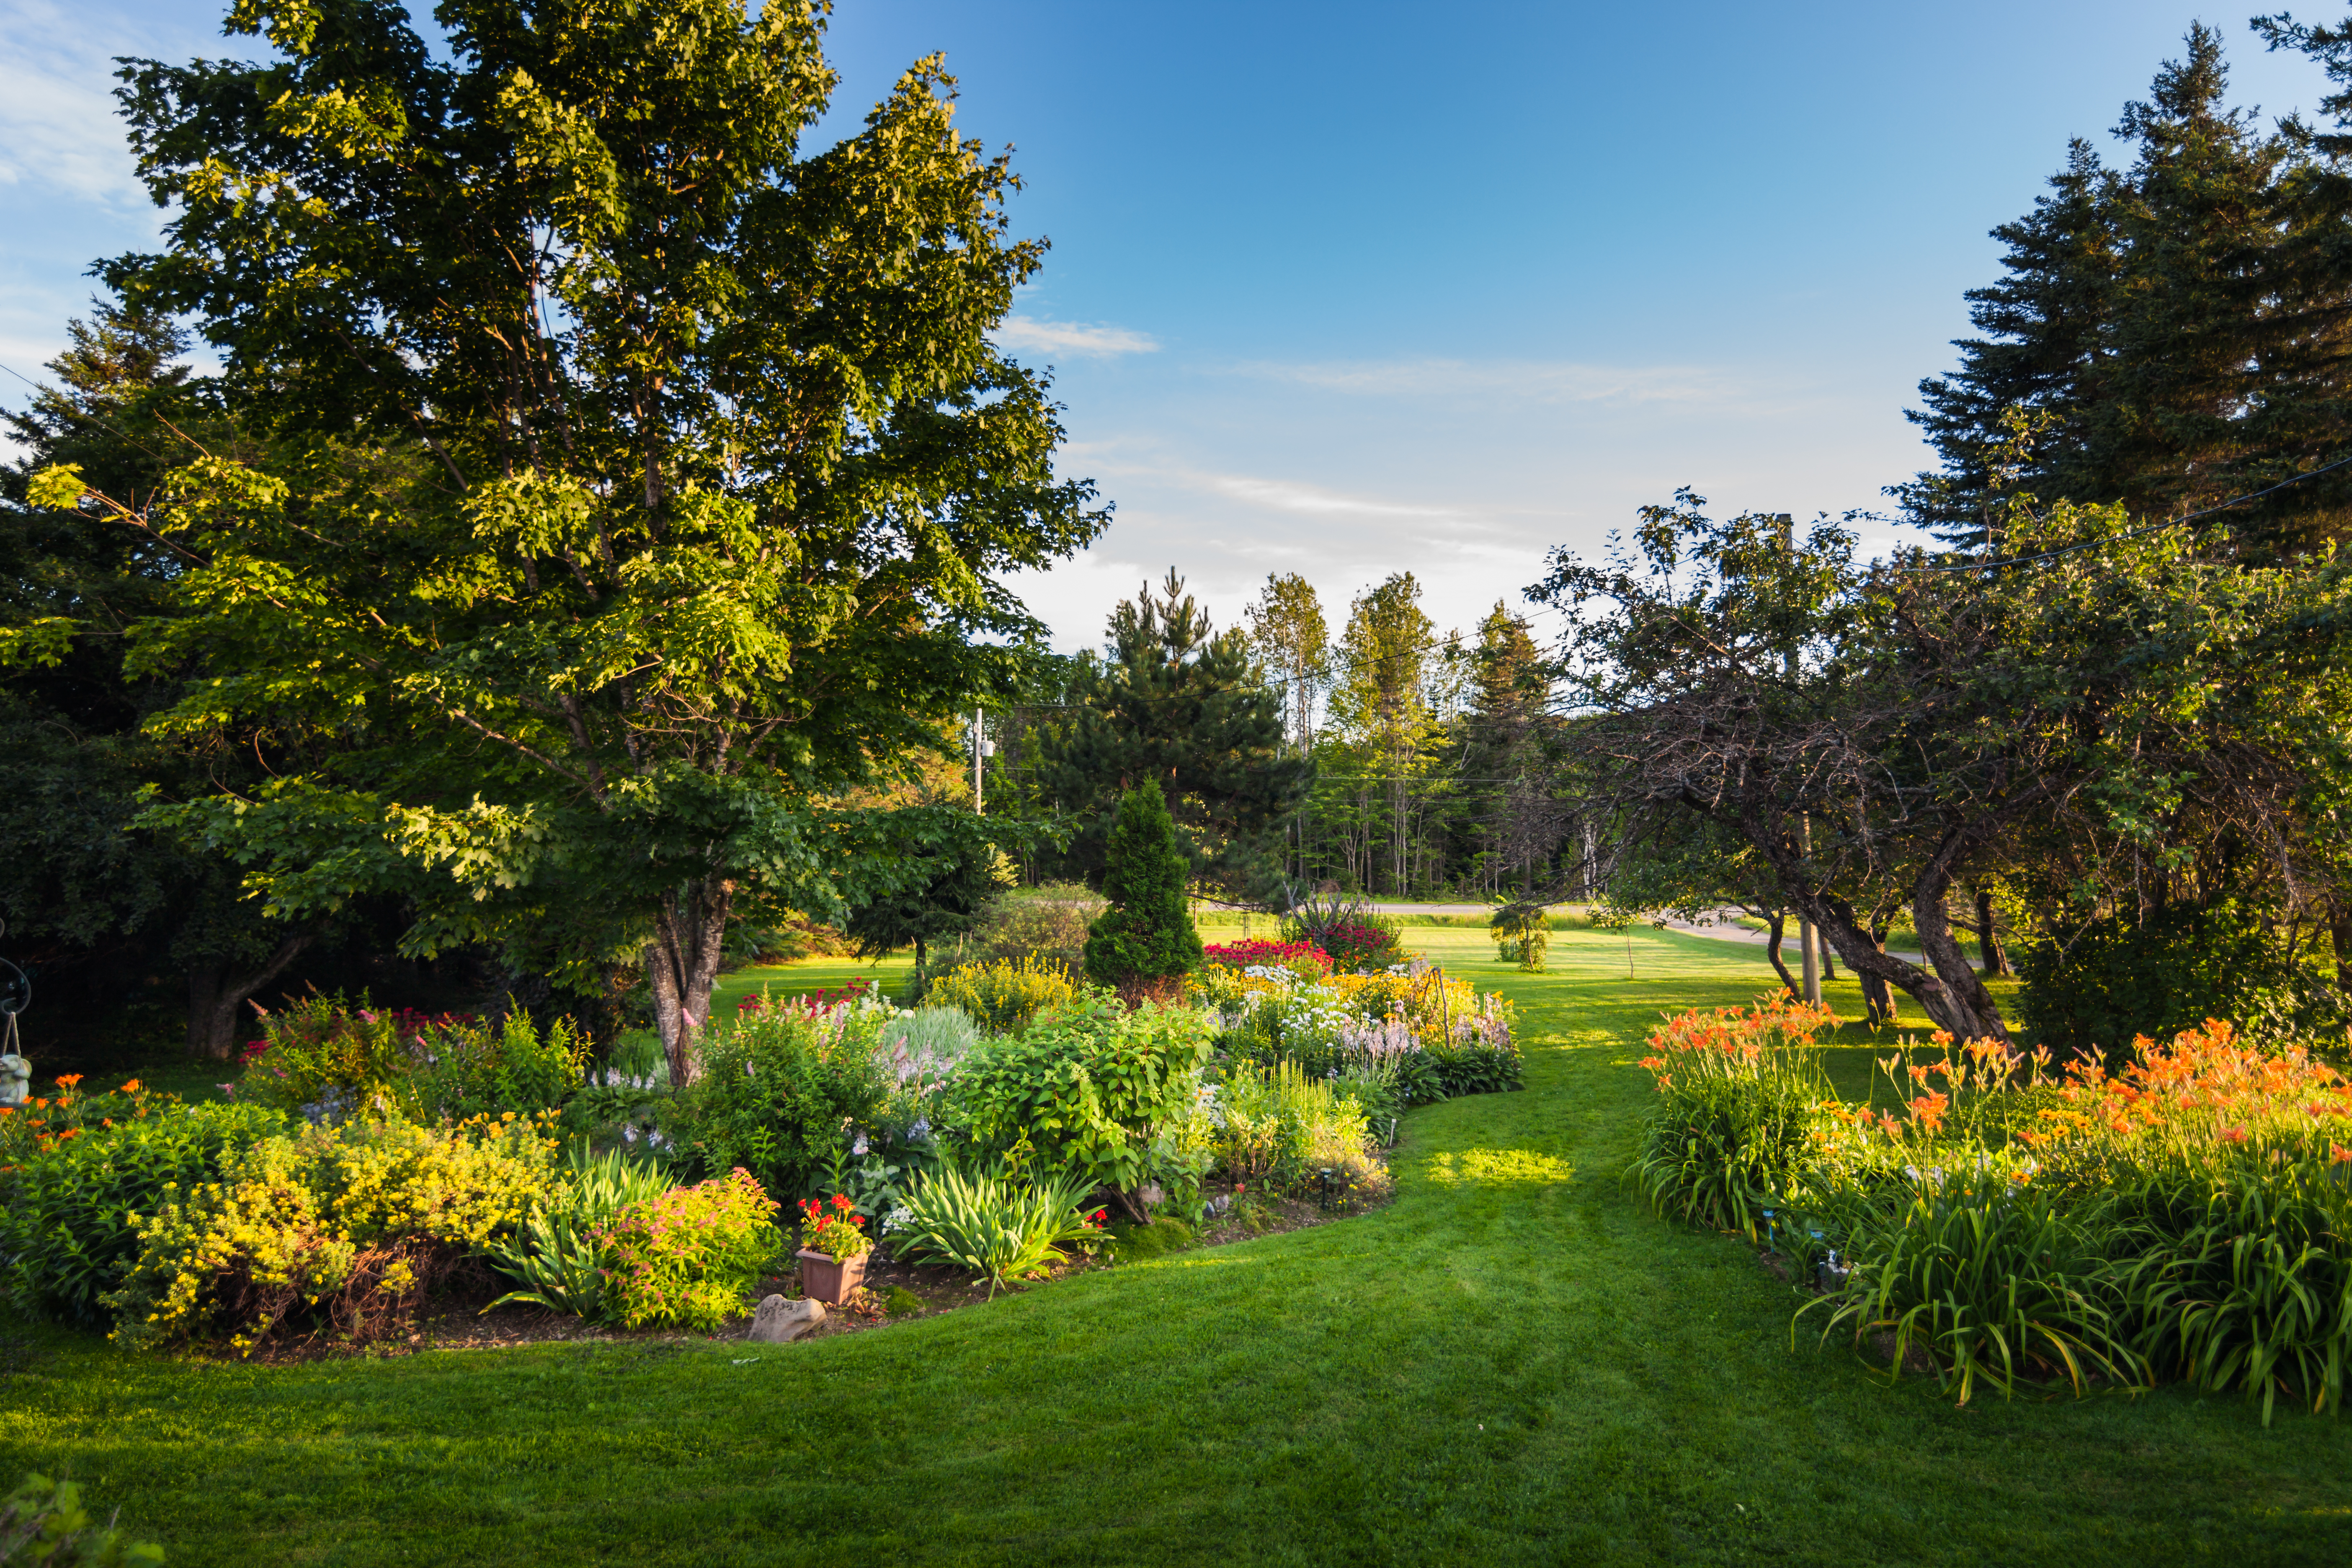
x=830 y=1281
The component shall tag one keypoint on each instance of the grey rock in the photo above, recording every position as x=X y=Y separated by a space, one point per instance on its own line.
x=780 y=1322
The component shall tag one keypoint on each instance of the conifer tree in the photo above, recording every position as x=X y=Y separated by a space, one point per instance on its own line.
x=2146 y=332
x=1178 y=701
x=1145 y=943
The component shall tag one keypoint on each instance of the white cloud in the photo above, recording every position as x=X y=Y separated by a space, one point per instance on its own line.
x=1096 y=340
x=1289 y=495
x=60 y=131
x=1538 y=381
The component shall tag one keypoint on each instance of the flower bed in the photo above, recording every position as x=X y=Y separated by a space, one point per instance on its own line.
x=1258 y=953
x=2187 y=1218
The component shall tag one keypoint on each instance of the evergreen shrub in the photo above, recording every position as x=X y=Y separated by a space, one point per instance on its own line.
x=1144 y=943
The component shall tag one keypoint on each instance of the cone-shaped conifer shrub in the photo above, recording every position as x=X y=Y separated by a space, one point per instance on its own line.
x=1144 y=943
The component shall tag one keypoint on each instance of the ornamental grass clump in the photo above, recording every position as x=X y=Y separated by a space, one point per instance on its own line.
x=690 y=1256
x=334 y=1228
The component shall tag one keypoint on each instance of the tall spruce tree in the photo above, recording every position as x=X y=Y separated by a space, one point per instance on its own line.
x=1145 y=943
x=1176 y=702
x=2144 y=347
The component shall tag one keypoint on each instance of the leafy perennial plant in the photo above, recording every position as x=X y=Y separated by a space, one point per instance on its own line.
x=2186 y=1218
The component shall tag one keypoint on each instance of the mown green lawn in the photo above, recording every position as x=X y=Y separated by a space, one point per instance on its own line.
x=1512 y=1364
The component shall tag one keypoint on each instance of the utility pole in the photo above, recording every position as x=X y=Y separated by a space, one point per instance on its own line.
x=980 y=750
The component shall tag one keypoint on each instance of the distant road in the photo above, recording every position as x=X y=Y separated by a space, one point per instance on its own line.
x=1723 y=927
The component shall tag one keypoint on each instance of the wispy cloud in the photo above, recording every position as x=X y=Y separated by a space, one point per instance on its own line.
x=59 y=133
x=1097 y=340
x=1538 y=381
x=1290 y=495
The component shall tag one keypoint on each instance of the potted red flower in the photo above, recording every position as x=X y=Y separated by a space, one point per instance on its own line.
x=833 y=1250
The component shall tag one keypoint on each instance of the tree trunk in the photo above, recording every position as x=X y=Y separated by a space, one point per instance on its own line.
x=216 y=998
x=682 y=965
x=1877 y=997
x=2339 y=932
x=1988 y=948
x=1777 y=921
x=1953 y=997
x=1973 y=1014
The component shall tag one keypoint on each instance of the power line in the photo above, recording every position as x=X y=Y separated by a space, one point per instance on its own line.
x=2129 y=533
x=82 y=414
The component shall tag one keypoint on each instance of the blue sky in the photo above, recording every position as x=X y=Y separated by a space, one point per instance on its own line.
x=1346 y=289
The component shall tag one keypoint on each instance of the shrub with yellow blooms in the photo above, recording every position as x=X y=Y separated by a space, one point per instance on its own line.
x=342 y=1228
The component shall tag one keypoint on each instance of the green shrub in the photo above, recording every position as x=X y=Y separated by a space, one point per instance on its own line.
x=998 y=1226
x=558 y=1257
x=689 y=1256
x=2112 y=978
x=66 y=1214
x=325 y=1058
x=1046 y=925
x=1003 y=997
x=467 y=1069
x=782 y=1093
x=343 y=1226
x=1088 y=1085
x=44 y=1522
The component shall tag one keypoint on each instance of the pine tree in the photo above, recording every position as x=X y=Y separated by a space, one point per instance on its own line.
x=1504 y=738
x=1145 y=943
x=1176 y=702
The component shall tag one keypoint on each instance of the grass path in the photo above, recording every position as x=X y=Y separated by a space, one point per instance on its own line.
x=1512 y=1364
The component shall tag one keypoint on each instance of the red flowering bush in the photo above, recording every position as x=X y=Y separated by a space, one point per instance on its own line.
x=690 y=1255
x=1258 y=953
x=833 y=1230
